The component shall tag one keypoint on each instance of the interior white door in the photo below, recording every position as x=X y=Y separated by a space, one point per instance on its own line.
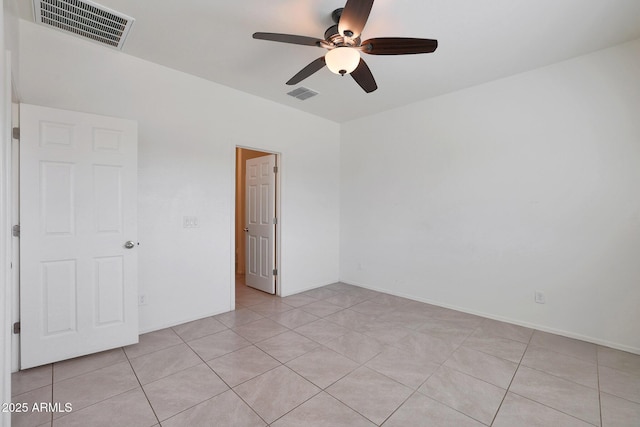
x=78 y=225
x=260 y=225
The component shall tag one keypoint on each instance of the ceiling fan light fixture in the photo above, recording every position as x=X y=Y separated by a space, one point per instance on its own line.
x=342 y=60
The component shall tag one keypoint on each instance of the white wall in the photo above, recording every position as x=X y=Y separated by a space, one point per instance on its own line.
x=188 y=130
x=478 y=198
x=11 y=34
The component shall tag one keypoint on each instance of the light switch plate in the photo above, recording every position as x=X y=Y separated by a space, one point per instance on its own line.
x=190 y=222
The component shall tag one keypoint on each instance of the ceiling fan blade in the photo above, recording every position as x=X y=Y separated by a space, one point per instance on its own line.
x=354 y=17
x=398 y=46
x=288 y=38
x=316 y=65
x=362 y=75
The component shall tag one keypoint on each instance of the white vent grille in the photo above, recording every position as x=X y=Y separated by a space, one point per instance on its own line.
x=302 y=93
x=86 y=19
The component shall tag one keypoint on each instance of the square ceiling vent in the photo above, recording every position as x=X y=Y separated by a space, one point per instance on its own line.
x=85 y=19
x=302 y=93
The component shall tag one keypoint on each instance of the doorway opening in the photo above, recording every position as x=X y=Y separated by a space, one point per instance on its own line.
x=256 y=226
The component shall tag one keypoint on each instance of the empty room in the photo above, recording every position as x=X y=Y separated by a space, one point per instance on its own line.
x=320 y=213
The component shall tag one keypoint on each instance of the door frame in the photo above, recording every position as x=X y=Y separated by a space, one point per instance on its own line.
x=7 y=92
x=279 y=215
x=15 y=219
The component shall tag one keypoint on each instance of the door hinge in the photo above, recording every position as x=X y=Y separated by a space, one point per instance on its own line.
x=16 y=328
x=15 y=231
x=275 y=169
x=275 y=271
x=275 y=221
x=15 y=132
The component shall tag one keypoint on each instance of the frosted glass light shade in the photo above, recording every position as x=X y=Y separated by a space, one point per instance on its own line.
x=342 y=60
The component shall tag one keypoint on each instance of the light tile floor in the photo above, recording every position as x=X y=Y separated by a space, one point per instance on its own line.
x=339 y=356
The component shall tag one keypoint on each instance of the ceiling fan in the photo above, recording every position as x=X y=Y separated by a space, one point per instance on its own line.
x=344 y=45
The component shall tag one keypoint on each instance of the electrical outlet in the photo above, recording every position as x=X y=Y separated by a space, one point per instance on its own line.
x=539 y=297
x=142 y=299
x=190 y=222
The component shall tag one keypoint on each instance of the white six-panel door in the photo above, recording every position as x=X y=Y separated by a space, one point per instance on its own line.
x=78 y=209
x=260 y=223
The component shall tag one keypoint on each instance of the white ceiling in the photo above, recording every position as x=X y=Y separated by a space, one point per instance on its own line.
x=479 y=41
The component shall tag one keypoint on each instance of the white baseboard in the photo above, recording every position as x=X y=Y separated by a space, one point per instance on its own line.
x=542 y=328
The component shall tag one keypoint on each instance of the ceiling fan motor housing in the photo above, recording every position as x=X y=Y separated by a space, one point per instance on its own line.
x=331 y=33
x=333 y=37
x=336 y=14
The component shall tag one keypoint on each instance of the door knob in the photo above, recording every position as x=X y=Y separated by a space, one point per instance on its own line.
x=129 y=244
x=246 y=229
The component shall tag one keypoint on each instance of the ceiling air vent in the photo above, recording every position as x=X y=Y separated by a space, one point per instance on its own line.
x=86 y=19
x=302 y=93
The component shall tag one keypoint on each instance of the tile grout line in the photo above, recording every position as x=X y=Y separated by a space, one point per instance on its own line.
x=86 y=373
x=535 y=401
x=430 y=375
x=353 y=409
x=562 y=378
x=297 y=406
x=221 y=379
x=168 y=375
x=442 y=364
x=626 y=399
x=553 y=350
x=142 y=388
x=326 y=348
x=512 y=378
x=269 y=370
x=489 y=354
x=151 y=352
x=373 y=370
x=403 y=402
x=413 y=391
x=552 y=408
x=97 y=403
x=249 y=406
x=87 y=356
x=324 y=390
x=416 y=392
